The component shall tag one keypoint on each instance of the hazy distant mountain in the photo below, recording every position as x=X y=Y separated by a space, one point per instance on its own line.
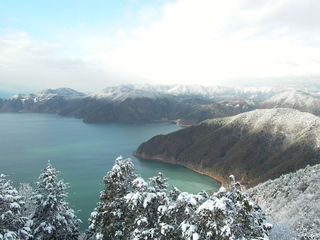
x=254 y=146
x=215 y=93
x=299 y=100
x=186 y=104
x=59 y=92
x=141 y=103
x=46 y=101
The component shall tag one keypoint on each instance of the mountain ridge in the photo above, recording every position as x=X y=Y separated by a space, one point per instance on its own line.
x=296 y=99
x=184 y=104
x=254 y=146
x=46 y=101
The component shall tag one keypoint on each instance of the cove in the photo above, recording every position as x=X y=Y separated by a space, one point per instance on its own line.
x=83 y=153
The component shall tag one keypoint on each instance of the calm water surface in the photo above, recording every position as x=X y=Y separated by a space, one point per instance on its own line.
x=83 y=153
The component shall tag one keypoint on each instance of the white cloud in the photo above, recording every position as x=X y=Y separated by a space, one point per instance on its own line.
x=121 y=33
x=185 y=41
x=27 y=66
x=210 y=41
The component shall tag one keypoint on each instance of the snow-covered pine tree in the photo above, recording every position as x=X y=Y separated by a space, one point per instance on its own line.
x=131 y=208
x=292 y=200
x=110 y=219
x=25 y=191
x=12 y=222
x=229 y=215
x=147 y=203
x=53 y=218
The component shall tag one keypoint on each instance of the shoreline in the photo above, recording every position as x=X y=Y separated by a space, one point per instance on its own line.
x=160 y=159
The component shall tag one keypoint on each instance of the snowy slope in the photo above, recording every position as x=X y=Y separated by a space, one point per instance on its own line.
x=299 y=100
x=254 y=146
x=49 y=100
x=123 y=92
x=50 y=93
x=293 y=199
x=292 y=124
x=214 y=92
x=63 y=92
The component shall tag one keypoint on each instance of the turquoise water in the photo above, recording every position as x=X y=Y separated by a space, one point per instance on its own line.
x=83 y=153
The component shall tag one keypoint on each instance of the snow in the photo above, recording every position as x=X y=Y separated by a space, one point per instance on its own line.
x=139 y=183
x=293 y=99
x=142 y=221
x=187 y=228
x=49 y=228
x=226 y=230
x=292 y=199
x=133 y=91
x=133 y=199
x=149 y=197
x=290 y=123
x=195 y=236
x=185 y=197
x=99 y=236
x=213 y=205
x=15 y=205
x=48 y=94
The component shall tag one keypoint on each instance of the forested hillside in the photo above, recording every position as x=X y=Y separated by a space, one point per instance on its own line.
x=293 y=199
x=254 y=146
x=185 y=104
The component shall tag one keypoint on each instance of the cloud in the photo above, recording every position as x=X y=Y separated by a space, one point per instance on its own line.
x=27 y=66
x=185 y=41
x=210 y=41
x=121 y=33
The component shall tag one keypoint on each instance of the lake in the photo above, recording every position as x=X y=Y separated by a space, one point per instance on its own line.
x=83 y=153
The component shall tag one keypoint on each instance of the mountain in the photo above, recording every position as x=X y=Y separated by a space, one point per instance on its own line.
x=46 y=101
x=144 y=103
x=137 y=109
x=185 y=104
x=215 y=93
x=59 y=92
x=299 y=100
x=254 y=146
x=217 y=110
x=292 y=199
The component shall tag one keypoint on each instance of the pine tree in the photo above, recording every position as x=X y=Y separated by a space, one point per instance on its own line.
x=131 y=208
x=12 y=223
x=25 y=191
x=53 y=218
x=149 y=207
x=230 y=215
x=110 y=219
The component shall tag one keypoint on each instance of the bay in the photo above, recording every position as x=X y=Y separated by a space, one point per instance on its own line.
x=83 y=153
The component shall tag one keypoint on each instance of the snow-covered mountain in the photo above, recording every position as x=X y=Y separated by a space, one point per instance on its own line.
x=299 y=100
x=143 y=102
x=50 y=93
x=293 y=199
x=254 y=146
x=61 y=92
x=214 y=92
x=49 y=100
x=123 y=92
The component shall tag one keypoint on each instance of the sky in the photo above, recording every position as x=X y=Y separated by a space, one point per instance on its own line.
x=89 y=45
